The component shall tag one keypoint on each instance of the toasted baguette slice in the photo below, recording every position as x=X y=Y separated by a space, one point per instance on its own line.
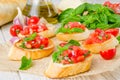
x=97 y=47
x=16 y=52
x=74 y=36
x=56 y=70
x=47 y=33
x=50 y=32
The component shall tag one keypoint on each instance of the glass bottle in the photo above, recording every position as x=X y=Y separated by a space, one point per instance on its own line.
x=41 y=8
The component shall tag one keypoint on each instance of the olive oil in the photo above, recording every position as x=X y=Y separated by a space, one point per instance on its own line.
x=41 y=9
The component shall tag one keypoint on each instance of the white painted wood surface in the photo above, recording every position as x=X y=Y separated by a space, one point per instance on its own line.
x=5 y=36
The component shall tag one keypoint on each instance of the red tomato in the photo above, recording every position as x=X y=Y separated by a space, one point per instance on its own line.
x=114 y=32
x=80 y=58
x=65 y=62
x=15 y=29
x=42 y=27
x=74 y=59
x=75 y=25
x=45 y=42
x=33 y=20
x=28 y=45
x=62 y=44
x=107 y=3
x=67 y=53
x=27 y=31
x=108 y=54
x=114 y=6
x=34 y=28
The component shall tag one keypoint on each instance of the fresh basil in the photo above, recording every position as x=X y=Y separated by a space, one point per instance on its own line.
x=31 y=37
x=26 y=63
x=98 y=16
x=118 y=38
x=56 y=54
x=68 y=30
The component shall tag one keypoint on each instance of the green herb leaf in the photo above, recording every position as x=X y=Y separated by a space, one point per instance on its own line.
x=118 y=38
x=98 y=16
x=68 y=30
x=74 y=42
x=22 y=45
x=56 y=55
x=26 y=63
x=31 y=37
x=76 y=30
x=65 y=14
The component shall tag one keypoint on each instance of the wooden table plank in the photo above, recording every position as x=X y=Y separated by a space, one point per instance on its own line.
x=1 y=37
x=9 y=76
x=5 y=32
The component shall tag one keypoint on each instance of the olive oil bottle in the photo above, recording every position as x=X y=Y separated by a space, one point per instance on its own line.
x=41 y=8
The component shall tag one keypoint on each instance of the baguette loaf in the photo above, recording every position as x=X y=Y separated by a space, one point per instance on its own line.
x=8 y=9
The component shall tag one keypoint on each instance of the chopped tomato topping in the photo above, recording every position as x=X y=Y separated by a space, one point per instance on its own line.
x=75 y=25
x=98 y=36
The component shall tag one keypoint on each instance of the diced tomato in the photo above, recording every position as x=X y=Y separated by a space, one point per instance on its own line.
x=107 y=3
x=74 y=25
x=33 y=20
x=45 y=42
x=80 y=58
x=28 y=45
x=108 y=54
x=26 y=31
x=114 y=6
x=98 y=36
x=65 y=62
x=34 y=28
x=67 y=53
x=42 y=27
x=74 y=59
x=114 y=31
x=63 y=44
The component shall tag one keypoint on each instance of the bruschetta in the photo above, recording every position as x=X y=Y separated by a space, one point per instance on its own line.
x=73 y=30
x=40 y=26
x=33 y=46
x=100 y=40
x=68 y=61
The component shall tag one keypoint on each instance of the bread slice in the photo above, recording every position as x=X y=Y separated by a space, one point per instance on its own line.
x=74 y=36
x=97 y=47
x=16 y=52
x=50 y=32
x=57 y=70
x=47 y=33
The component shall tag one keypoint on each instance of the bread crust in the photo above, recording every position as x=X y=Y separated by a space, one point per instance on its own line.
x=16 y=52
x=97 y=47
x=74 y=36
x=8 y=9
x=57 y=70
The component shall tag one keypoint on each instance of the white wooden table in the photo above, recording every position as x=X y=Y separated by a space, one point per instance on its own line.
x=5 y=36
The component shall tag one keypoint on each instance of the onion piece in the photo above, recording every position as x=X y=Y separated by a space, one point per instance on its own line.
x=14 y=39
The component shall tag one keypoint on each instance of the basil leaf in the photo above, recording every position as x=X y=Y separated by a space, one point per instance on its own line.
x=65 y=14
x=74 y=42
x=22 y=45
x=118 y=38
x=56 y=55
x=26 y=63
x=31 y=37
x=76 y=30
